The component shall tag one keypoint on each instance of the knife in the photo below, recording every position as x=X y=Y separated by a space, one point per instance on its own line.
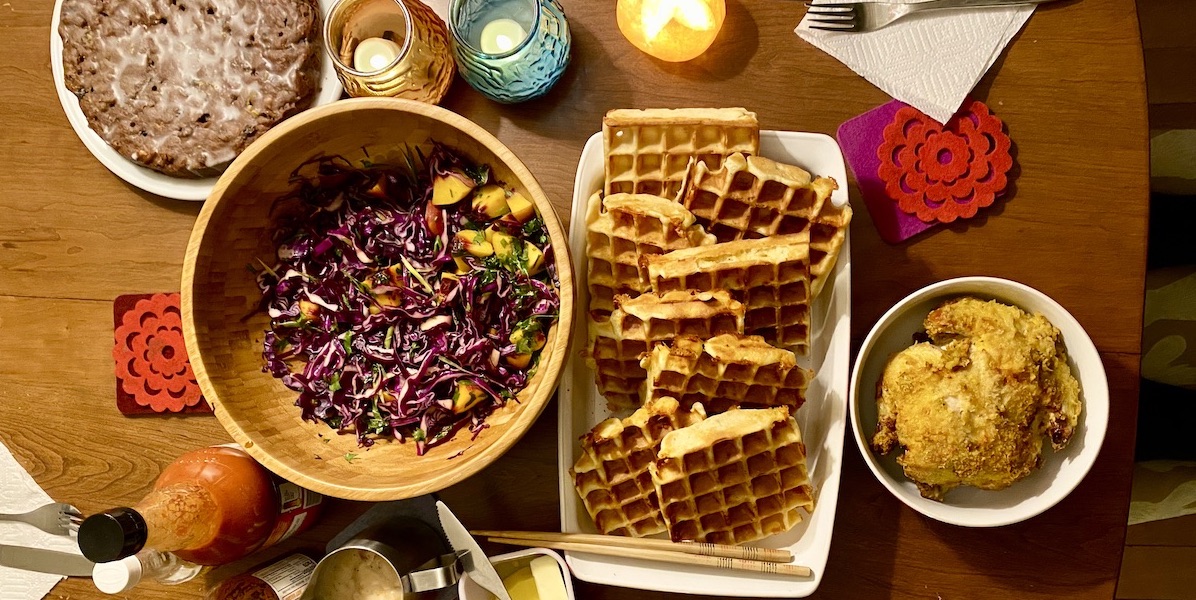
x=45 y=561
x=476 y=563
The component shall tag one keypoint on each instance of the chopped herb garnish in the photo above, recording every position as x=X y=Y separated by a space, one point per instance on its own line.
x=372 y=308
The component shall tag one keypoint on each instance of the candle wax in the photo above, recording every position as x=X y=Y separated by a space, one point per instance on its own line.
x=501 y=35
x=374 y=54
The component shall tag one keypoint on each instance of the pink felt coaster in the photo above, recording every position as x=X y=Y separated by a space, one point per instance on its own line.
x=914 y=173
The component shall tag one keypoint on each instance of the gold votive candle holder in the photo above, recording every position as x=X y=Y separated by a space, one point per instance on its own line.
x=422 y=65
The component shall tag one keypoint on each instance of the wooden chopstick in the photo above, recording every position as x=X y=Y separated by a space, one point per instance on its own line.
x=733 y=564
x=698 y=548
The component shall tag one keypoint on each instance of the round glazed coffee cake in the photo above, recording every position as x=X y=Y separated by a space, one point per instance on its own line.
x=182 y=86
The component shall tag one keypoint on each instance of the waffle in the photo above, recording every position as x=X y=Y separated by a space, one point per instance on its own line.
x=637 y=323
x=649 y=151
x=724 y=372
x=752 y=196
x=611 y=476
x=769 y=275
x=733 y=478
x=632 y=226
x=827 y=233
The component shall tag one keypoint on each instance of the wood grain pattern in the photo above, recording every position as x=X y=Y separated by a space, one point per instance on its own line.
x=1169 y=47
x=1070 y=89
x=1158 y=573
x=1179 y=531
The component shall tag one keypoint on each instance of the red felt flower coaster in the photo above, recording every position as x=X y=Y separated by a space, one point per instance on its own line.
x=153 y=374
x=943 y=173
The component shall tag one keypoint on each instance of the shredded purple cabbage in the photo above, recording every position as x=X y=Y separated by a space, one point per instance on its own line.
x=376 y=325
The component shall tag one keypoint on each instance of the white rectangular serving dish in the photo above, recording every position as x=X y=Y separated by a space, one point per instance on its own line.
x=822 y=418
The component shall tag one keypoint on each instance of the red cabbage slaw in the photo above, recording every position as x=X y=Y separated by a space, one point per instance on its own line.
x=378 y=316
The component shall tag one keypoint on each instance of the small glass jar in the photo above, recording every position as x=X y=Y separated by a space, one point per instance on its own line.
x=510 y=50
x=418 y=65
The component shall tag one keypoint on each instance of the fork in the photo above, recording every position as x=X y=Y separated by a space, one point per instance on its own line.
x=57 y=518
x=870 y=16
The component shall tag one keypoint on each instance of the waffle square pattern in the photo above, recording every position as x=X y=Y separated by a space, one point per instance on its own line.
x=733 y=478
x=622 y=229
x=611 y=475
x=770 y=276
x=649 y=151
x=617 y=344
x=724 y=372
x=752 y=196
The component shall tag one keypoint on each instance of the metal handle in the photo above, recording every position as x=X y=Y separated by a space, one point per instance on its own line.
x=440 y=572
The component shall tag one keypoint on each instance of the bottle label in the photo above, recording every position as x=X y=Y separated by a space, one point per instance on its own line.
x=289 y=576
x=297 y=511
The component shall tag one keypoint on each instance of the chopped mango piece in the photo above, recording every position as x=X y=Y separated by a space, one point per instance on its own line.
x=474 y=242
x=521 y=208
x=506 y=247
x=491 y=201
x=519 y=360
x=451 y=188
x=467 y=395
x=533 y=259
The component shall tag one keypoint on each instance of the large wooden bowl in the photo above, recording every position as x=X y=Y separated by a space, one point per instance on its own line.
x=224 y=332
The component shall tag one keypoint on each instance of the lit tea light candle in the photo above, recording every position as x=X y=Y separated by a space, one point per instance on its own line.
x=374 y=54
x=671 y=30
x=501 y=35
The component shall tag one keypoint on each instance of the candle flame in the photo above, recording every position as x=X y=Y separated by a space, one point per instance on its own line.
x=692 y=14
x=379 y=62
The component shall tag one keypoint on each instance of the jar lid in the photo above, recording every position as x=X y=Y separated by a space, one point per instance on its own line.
x=112 y=535
x=117 y=576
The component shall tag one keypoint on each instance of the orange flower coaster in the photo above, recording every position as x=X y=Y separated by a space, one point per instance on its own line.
x=942 y=173
x=153 y=374
x=915 y=173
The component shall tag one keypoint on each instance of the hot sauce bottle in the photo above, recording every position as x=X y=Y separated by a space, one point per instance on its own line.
x=209 y=507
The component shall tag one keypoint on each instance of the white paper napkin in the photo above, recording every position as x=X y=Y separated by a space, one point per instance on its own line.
x=18 y=494
x=930 y=61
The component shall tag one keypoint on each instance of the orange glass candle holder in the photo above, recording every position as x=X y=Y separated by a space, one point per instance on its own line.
x=671 y=30
x=405 y=46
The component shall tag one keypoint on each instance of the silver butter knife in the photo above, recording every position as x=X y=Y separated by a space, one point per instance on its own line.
x=45 y=561
x=475 y=561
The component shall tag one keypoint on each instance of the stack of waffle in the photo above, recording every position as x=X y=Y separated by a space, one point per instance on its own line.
x=754 y=197
x=732 y=478
x=622 y=229
x=704 y=260
x=689 y=206
x=771 y=276
x=736 y=477
x=725 y=371
x=612 y=474
x=618 y=343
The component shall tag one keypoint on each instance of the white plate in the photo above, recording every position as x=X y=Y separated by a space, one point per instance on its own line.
x=1061 y=471
x=148 y=179
x=822 y=418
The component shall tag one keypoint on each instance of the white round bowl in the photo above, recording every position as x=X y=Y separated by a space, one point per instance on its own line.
x=1061 y=471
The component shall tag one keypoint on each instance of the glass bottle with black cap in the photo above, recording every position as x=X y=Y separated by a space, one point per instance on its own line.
x=210 y=507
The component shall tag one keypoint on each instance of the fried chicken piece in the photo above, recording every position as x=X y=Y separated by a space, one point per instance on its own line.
x=971 y=406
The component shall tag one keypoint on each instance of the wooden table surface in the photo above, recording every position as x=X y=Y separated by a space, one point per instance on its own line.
x=1070 y=88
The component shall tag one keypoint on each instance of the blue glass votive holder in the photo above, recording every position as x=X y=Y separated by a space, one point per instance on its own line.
x=510 y=50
